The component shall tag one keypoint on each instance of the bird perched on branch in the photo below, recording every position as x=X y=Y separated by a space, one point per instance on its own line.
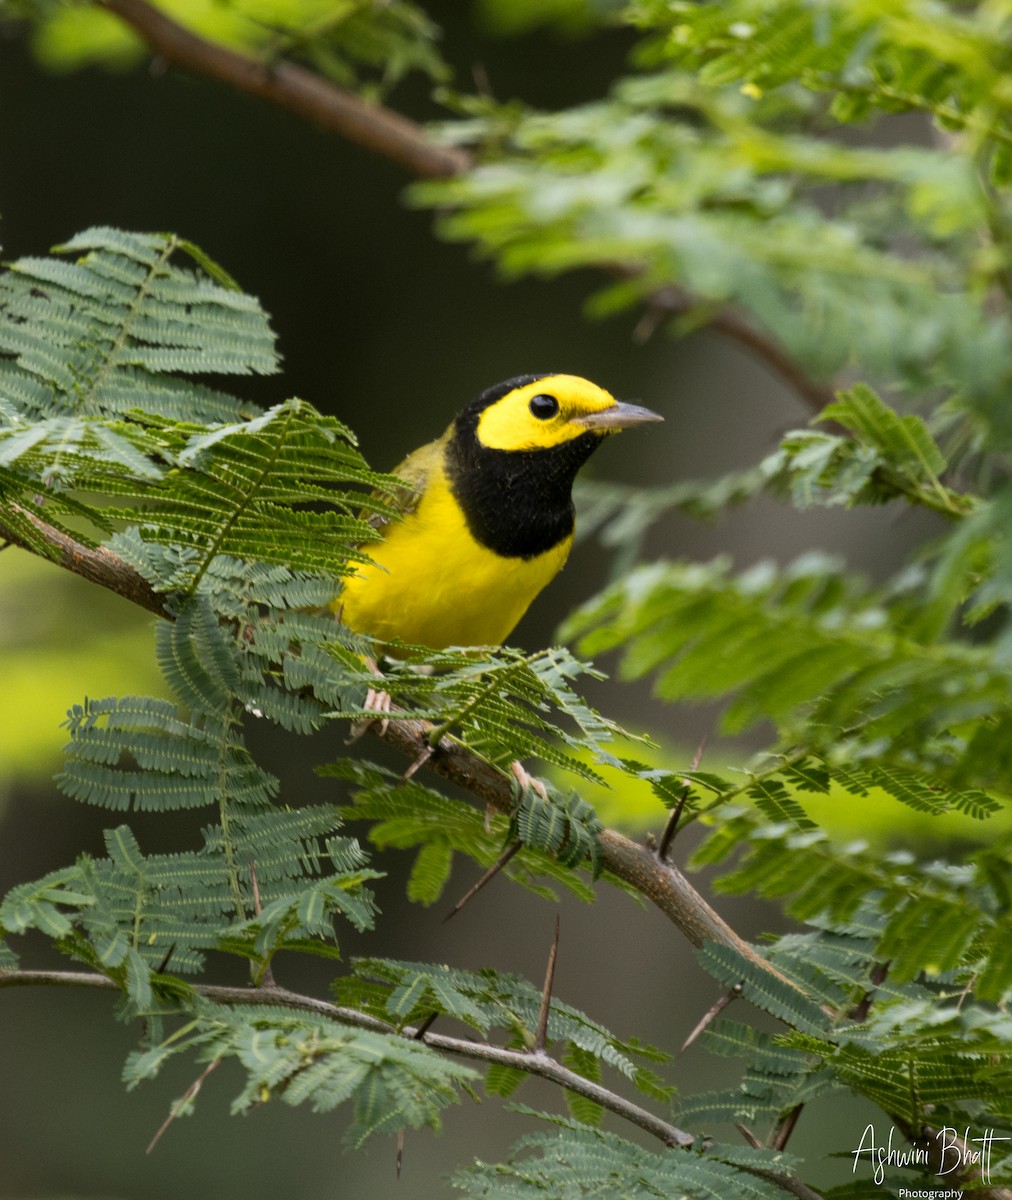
x=486 y=514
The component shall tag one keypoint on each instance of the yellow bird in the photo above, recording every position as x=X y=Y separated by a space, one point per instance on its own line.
x=486 y=514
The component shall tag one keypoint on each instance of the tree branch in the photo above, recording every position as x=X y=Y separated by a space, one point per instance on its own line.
x=531 y=1062
x=635 y=864
x=660 y=882
x=97 y=565
x=392 y=136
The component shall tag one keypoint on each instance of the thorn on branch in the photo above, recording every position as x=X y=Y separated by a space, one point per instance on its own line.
x=748 y=1135
x=671 y=828
x=419 y=762
x=709 y=1017
x=541 y=1035
x=163 y=965
x=426 y=1025
x=489 y=875
x=860 y=1010
x=784 y=1129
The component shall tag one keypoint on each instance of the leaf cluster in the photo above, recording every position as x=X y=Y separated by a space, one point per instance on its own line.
x=574 y=1161
x=709 y=193
x=392 y=1083
x=934 y=918
x=946 y=60
x=921 y=1053
x=495 y=1002
x=406 y=815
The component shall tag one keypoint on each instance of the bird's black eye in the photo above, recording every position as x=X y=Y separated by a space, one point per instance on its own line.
x=543 y=407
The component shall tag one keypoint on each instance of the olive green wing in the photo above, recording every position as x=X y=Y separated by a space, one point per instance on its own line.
x=414 y=472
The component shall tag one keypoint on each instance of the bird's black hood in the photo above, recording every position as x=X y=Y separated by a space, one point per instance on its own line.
x=517 y=503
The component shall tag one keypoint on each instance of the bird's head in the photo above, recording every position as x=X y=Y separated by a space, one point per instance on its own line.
x=538 y=412
x=513 y=453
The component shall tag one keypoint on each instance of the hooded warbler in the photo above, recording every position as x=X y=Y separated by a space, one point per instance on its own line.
x=486 y=514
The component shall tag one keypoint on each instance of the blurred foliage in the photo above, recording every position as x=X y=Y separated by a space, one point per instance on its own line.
x=571 y=17
x=721 y=171
x=355 y=43
x=725 y=195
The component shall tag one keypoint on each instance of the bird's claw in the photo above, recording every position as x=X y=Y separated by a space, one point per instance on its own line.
x=376 y=701
x=527 y=781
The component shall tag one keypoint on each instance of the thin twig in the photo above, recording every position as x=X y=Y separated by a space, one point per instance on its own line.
x=533 y=1064
x=181 y=1103
x=860 y=1010
x=541 y=1034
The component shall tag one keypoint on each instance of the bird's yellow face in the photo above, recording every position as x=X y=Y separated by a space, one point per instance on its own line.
x=552 y=410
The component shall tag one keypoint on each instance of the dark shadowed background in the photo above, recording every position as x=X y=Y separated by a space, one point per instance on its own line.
x=391 y=330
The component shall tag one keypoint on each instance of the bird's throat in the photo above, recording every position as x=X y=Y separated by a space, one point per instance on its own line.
x=517 y=503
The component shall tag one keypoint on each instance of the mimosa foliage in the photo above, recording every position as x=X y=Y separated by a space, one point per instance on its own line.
x=902 y=55
x=246 y=527
x=710 y=190
x=711 y=176
x=392 y=1083
x=406 y=814
x=935 y=918
x=408 y=993
x=921 y=1053
x=575 y=1161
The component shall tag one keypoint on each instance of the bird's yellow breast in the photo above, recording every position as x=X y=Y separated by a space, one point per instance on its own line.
x=433 y=584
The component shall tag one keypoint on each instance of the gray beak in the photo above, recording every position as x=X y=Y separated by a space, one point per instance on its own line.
x=618 y=416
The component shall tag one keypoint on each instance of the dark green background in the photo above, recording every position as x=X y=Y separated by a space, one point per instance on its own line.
x=392 y=331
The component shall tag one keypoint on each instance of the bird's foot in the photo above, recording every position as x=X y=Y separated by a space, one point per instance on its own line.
x=376 y=701
x=527 y=781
